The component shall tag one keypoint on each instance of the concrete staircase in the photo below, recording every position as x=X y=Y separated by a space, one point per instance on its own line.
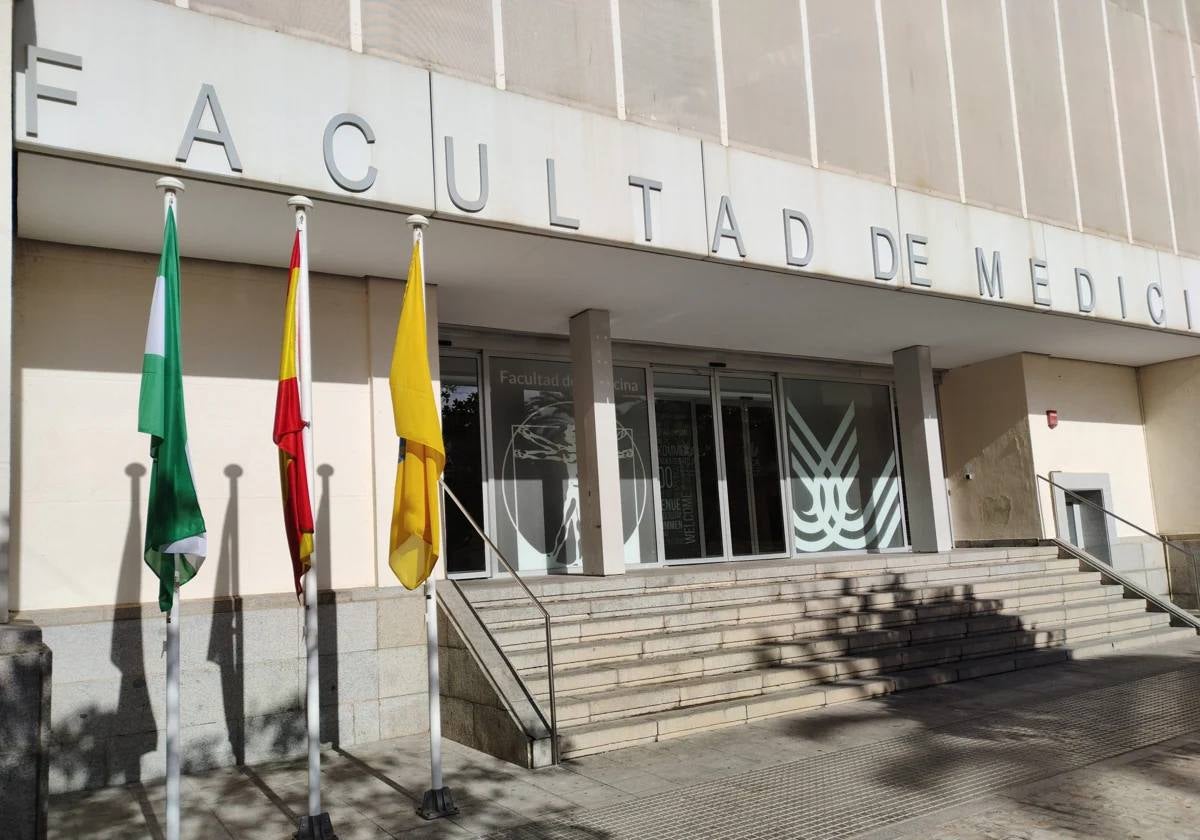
x=660 y=653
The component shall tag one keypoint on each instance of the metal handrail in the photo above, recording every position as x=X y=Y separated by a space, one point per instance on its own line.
x=1117 y=516
x=1103 y=568
x=545 y=618
x=1163 y=540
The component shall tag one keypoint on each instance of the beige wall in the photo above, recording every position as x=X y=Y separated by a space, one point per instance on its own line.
x=80 y=322
x=740 y=71
x=985 y=431
x=1099 y=431
x=994 y=427
x=1171 y=405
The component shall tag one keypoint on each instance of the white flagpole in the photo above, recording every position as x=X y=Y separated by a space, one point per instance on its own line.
x=171 y=188
x=437 y=801
x=314 y=825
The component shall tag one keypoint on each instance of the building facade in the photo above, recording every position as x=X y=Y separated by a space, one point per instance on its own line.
x=712 y=281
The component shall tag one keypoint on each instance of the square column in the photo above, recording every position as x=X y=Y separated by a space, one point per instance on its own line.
x=600 y=534
x=6 y=276
x=920 y=445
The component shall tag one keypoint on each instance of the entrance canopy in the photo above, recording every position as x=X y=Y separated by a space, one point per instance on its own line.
x=503 y=279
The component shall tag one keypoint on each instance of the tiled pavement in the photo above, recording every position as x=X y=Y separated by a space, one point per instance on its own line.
x=1106 y=748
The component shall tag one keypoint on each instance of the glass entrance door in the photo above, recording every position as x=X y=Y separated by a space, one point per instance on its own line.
x=462 y=431
x=749 y=437
x=689 y=486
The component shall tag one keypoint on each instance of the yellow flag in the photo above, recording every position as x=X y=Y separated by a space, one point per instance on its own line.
x=415 y=537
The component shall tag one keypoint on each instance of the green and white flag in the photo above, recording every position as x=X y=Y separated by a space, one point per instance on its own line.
x=176 y=542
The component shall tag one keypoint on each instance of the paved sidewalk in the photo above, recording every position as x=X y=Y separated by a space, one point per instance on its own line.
x=1105 y=748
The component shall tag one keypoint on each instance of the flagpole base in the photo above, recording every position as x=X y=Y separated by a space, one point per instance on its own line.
x=315 y=828
x=436 y=804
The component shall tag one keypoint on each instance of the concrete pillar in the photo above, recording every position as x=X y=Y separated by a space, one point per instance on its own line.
x=920 y=446
x=6 y=272
x=601 y=536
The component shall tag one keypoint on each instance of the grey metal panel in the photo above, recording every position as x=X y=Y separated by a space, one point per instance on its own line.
x=919 y=84
x=1092 y=119
x=454 y=35
x=1193 y=16
x=1179 y=124
x=763 y=48
x=1041 y=111
x=1144 y=179
x=561 y=49
x=670 y=65
x=320 y=20
x=847 y=86
x=1167 y=14
x=984 y=115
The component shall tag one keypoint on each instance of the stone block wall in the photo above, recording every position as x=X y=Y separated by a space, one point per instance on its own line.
x=483 y=702
x=25 y=667
x=242 y=681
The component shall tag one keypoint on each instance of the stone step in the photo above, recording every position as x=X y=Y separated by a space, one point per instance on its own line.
x=918 y=643
x=670 y=640
x=499 y=614
x=574 y=709
x=705 y=574
x=967 y=585
x=1108 y=644
x=605 y=735
x=588 y=676
x=587 y=739
x=531 y=633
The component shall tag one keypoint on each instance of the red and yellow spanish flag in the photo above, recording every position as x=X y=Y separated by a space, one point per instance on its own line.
x=289 y=431
x=415 y=537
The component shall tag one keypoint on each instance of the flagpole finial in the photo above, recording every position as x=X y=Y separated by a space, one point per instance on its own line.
x=300 y=201
x=417 y=221
x=169 y=184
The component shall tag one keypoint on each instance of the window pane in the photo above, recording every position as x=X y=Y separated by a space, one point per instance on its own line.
x=536 y=471
x=751 y=466
x=842 y=465
x=633 y=452
x=464 y=463
x=687 y=466
x=536 y=476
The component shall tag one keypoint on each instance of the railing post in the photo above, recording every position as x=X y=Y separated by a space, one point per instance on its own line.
x=550 y=687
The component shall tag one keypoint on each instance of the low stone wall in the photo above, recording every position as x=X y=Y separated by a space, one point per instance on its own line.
x=242 y=681
x=25 y=668
x=483 y=703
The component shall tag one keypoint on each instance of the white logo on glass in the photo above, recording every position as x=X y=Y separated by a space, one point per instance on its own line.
x=547 y=434
x=829 y=475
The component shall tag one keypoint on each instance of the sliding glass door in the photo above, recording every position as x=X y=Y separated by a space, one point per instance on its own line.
x=752 y=475
x=462 y=432
x=535 y=469
x=713 y=464
x=689 y=486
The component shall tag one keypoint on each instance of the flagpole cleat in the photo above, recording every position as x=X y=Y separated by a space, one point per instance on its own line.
x=315 y=828
x=436 y=804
